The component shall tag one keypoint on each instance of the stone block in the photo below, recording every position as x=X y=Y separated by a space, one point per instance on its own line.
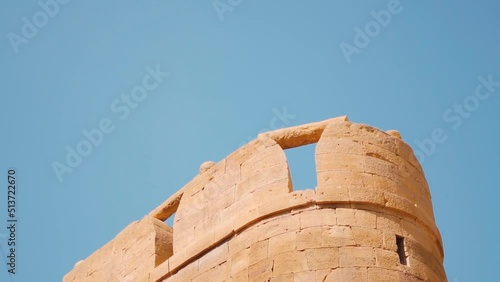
x=321 y=275
x=258 y=251
x=302 y=197
x=241 y=276
x=303 y=276
x=272 y=228
x=383 y=275
x=365 y=237
x=244 y=211
x=340 y=162
x=301 y=135
x=344 y=178
x=244 y=239
x=285 y=278
x=290 y=262
x=340 y=145
x=309 y=238
x=318 y=217
x=387 y=259
x=356 y=217
x=213 y=258
x=324 y=258
x=220 y=201
x=261 y=271
x=244 y=153
x=348 y=274
x=263 y=160
x=337 y=236
x=357 y=256
x=258 y=180
x=367 y=196
x=390 y=241
x=332 y=194
x=240 y=261
x=282 y=243
x=273 y=204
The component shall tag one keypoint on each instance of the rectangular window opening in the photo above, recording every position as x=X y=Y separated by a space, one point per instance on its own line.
x=400 y=242
x=302 y=165
x=170 y=220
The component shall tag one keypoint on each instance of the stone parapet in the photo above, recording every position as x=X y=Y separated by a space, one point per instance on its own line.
x=370 y=218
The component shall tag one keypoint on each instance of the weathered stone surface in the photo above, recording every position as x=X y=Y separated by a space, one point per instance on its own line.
x=131 y=255
x=394 y=133
x=240 y=220
x=300 y=135
x=206 y=166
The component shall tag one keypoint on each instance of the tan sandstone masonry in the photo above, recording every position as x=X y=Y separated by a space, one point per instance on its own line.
x=370 y=218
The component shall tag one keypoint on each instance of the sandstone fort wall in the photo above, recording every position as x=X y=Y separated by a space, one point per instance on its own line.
x=370 y=218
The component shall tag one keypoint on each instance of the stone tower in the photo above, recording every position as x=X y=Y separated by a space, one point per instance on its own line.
x=370 y=217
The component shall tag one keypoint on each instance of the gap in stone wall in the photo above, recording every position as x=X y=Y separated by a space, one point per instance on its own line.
x=170 y=220
x=302 y=165
x=400 y=242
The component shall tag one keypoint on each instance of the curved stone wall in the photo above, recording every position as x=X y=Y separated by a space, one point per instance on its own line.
x=370 y=218
x=371 y=190
x=319 y=243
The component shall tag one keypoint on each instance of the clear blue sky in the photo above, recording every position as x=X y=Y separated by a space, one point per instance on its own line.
x=229 y=73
